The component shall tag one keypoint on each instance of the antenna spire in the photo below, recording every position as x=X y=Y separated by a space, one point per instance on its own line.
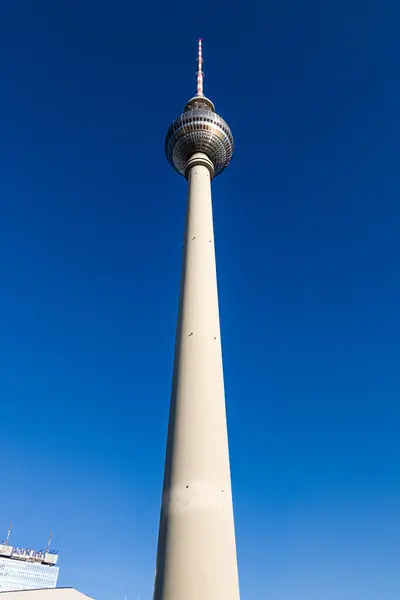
x=200 y=74
x=8 y=534
x=48 y=543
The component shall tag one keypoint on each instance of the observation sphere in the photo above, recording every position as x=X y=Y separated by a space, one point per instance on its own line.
x=199 y=129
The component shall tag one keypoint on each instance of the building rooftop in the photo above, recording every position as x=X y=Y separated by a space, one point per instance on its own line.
x=61 y=593
x=47 y=557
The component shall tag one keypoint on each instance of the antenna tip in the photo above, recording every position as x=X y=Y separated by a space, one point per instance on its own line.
x=200 y=70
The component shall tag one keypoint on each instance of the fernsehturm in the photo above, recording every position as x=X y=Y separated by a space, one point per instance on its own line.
x=196 y=556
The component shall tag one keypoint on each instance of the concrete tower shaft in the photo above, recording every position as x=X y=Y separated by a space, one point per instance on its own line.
x=196 y=557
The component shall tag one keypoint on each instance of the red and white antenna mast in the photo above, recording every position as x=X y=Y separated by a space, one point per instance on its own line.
x=48 y=543
x=8 y=534
x=200 y=74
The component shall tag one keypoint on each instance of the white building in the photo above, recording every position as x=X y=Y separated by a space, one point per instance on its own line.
x=25 y=569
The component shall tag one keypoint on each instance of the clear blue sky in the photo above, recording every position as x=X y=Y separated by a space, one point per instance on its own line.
x=307 y=224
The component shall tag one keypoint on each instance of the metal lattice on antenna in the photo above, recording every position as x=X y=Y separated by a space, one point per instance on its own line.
x=8 y=534
x=49 y=540
x=200 y=74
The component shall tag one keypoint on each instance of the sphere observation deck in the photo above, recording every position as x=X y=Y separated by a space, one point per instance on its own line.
x=199 y=129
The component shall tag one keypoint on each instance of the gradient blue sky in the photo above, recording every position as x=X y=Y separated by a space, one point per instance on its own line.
x=307 y=230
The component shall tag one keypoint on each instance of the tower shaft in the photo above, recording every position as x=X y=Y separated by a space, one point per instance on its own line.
x=196 y=558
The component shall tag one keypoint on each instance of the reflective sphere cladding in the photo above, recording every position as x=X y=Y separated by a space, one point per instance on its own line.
x=199 y=130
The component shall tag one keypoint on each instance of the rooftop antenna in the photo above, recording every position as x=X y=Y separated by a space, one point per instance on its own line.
x=8 y=534
x=48 y=543
x=200 y=74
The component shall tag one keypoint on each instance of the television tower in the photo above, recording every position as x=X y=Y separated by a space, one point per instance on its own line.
x=196 y=556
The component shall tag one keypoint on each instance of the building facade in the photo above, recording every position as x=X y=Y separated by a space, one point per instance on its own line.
x=26 y=569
